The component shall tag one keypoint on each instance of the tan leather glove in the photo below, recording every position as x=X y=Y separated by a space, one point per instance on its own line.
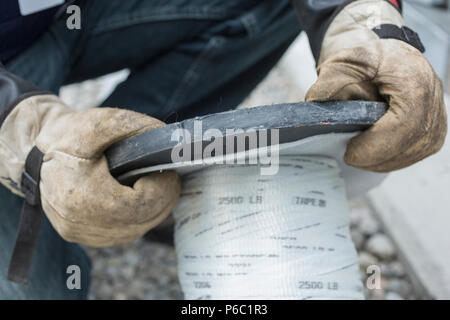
x=84 y=203
x=356 y=64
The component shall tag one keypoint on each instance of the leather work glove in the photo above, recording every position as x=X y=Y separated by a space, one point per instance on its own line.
x=83 y=202
x=368 y=54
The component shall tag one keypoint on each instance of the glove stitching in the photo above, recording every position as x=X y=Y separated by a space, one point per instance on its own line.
x=433 y=123
x=50 y=204
x=67 y=155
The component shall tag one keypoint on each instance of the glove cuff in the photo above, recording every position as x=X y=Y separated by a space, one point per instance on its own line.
x=18 y=134
x=366 y=20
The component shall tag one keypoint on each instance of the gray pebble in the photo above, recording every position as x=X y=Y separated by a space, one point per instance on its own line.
x=355 y=218
x=112 y=271
x=368 y=225
x=394 y=269
x=128 y=272
x=366 y=259
x=120 y=296
x=399 y=286
x=377 y=294
x=381 y=246
x=358 y=238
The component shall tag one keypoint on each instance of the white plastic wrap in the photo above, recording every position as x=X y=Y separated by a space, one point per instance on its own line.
x=240 y=235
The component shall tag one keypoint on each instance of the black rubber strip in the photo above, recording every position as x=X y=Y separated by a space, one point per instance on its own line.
x=295 y=121
x=27 y=236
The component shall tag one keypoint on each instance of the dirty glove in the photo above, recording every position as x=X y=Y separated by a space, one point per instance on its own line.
x=83 y=202
x=368 y=54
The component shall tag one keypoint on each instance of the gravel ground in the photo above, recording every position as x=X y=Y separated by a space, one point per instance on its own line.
x=147 y=270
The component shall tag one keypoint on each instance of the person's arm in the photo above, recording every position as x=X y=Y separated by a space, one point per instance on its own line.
x=13 y=90
x=82 y=200
x=364 y=51
x=315 y=16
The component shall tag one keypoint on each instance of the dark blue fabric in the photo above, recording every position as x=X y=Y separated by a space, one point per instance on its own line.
x=16 y=31
x=52 y=257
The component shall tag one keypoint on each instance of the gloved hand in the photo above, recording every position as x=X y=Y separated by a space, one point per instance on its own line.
x=357 y=64
x=84 y=203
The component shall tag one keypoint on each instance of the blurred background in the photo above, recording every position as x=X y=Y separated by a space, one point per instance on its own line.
x=403 y=225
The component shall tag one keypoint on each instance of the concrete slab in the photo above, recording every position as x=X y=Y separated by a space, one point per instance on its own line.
x=414 y=206
x=433 y=26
